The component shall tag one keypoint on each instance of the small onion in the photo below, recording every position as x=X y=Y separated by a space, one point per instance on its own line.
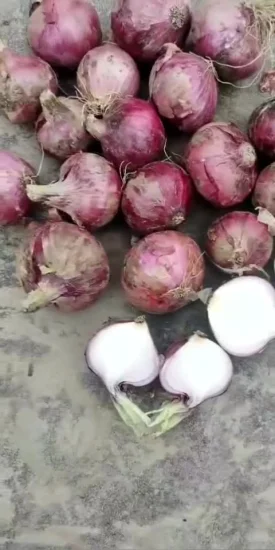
x=261 y=128
x=14 y=174
x=183 y=88
x=264 y=192
x=63 y=265
x=142 y=28
x=157 y=197
x=88 y=190
x=222 y=164
x=267 y=82
x=163 y=272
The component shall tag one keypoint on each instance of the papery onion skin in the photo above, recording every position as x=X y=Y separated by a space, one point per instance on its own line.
x=222 y=164
x=141 y=28
x=228 y=33
x=63 y=265
x=22 y=79
x=157 y=197
x=183 y=87
x=261 y=129
x=14 y=173
x=163 y=272
x=62 y=32
x=89 y=190
x=239 y=243
x=264 y=192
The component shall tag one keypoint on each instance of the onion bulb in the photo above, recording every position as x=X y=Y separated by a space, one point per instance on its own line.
x=14 y=175
x=261 y=129
x=264 y=197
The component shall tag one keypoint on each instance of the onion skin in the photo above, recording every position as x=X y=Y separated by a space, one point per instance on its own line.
x=264 y=192
x=131 y=133
x=14 y=202
x=141 y=28
x=163 y=272
x=62 y=31
x=22 y=79
x=222 y=164
x=183 y=88
x=239 y=243
x=63 y=265
x=261 y=129
x=89 y=191
x=157 y=197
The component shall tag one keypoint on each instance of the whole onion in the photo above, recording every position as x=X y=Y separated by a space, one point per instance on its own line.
x=221 y=163
x=261 y=128
x=105 y=73
x=63 y=265
x=131 y=133
x=239 y=243
x=88 y=190
x=22 y=79
x=14 y=174
x=63 y=31
x=60 y=128
x=157 y=197
x=264 y=192
x=233 y=34
x=163 y=272
x=183 y=88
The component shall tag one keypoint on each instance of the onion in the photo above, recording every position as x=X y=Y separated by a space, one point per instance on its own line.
x=60 y=128
x=63 y=265
x=88 y=190
x=264 y=197
x=157 y=197
x=22 y=79
x=183 y=88
x=124 y=353
x=242 y=315
x=105 y=73
x=234 y=34
x=63 y=31
x=142 y=28
x=222 y=164
x=267 y=83
x=238 y=243
x=163 y=272
x=131 y=133
x=14 y=174
x=261 y=128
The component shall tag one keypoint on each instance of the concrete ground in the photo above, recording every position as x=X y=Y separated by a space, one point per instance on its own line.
x=72 y=476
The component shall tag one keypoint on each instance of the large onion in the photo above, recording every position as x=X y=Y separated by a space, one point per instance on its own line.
x=14 y=174
x=183 y=88
x=221 y=163
x=163 y=272
x=261 y=128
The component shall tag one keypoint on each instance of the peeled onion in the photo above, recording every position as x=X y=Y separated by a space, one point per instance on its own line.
x=261 y=128
x=14 y=175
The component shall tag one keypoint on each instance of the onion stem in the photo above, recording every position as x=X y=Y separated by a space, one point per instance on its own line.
x=39 y=298
x=132 y=415
x=170 y=415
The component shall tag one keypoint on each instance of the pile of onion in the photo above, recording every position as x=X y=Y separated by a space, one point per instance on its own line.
x=14 y=175
x=63 y=265
x=157 y=197
x=238 y=243
x=89 y=191
x=63 y=31
x=261 y=128
x=104 y=74
x=22 y=79
x=222 y=164
x=163 y=272
x=60 y=128
x=183 y=88
x=130 y=132
x=141 y=28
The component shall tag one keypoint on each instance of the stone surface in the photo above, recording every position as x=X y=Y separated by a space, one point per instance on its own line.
x=71 y=475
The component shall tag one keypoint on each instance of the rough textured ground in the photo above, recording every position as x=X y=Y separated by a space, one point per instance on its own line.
x=72 y=477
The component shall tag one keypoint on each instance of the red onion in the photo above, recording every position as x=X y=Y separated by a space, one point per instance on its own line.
x=60 y=128
x=104 y=74
x=157 y=197
x=88 y=190
x=267 y=82
x=142 y=28
x=63 y=31
x=239 y=243
x=233 y=34
x=264 y=192
x=131 y=133
x=183 y=88
x=163 y=272
x=14 y=173
x=64 y=265
x=222 y=164
x=261 y=128
x=22 y=79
